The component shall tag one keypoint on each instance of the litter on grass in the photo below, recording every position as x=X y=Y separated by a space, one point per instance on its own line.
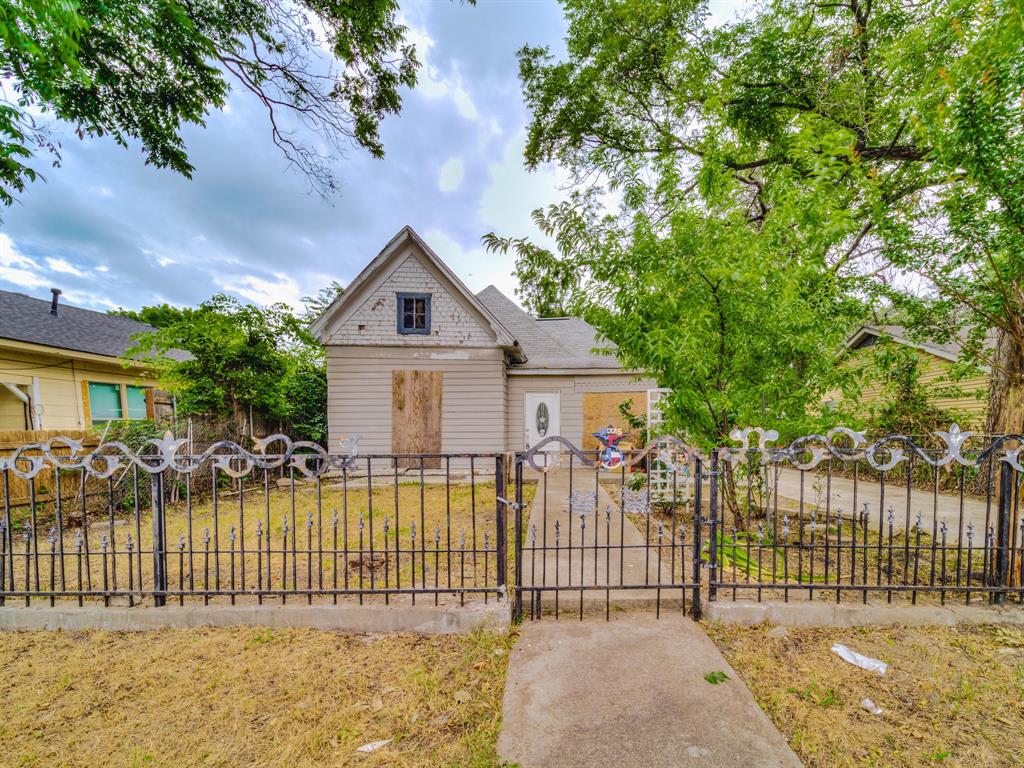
x=869 y=706
x=859 y=660
x=373 y=746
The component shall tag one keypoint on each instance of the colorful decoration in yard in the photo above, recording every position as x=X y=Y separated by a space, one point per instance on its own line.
x=611 y=456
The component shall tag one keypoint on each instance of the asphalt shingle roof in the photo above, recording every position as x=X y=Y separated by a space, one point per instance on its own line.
x=24 y=318
x=949 y=350
x=563 y=342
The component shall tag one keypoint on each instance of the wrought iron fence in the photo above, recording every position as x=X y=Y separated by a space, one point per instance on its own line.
x=820 y=518
x=796 y=527
x=295 y=523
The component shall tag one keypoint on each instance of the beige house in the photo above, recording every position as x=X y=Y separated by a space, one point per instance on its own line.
x=967 y=397
x=61 y=367
x=417 y=363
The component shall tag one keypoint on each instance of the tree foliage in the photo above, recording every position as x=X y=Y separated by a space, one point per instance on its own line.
x=314 y=306
x=240 y=356
x=142 y=69
x=159 y=315
x=772 y=172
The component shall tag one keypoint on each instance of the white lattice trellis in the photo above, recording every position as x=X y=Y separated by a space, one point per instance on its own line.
x=662 y=484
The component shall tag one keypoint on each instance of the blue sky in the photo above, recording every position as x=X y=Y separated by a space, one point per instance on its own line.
x=111 y=231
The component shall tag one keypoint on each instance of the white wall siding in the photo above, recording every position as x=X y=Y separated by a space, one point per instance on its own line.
x=473 y=400
x=571 y=389
x=374 y=320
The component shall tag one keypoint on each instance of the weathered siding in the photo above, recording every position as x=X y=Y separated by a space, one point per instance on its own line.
x=472 y=409
x=60 y=384
x=934 y=377
x=571 y=389
x=12 y=411
x=374 y=320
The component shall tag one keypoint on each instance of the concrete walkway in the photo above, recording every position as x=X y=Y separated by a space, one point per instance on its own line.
x=933 y=509
x=607 y=551
x=630 y=693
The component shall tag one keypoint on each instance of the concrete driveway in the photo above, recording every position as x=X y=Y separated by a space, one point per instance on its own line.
x=933 y=509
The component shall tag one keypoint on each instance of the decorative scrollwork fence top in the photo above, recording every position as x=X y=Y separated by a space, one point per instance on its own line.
x=231 y=458
x=667 y=449
x=843 y=443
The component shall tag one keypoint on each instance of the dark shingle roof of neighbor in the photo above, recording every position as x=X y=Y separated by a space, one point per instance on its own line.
x=562 y=342
x=24 y=318
x=949 y=350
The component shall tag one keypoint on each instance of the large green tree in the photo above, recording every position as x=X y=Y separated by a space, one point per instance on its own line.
x=858 y=141
x=740 y=335
x=142 y=69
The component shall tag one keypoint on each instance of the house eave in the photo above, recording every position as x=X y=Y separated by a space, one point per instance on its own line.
x=72 y=354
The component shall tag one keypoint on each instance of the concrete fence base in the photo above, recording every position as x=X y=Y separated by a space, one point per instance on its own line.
x=427 y=619
x=821 y=614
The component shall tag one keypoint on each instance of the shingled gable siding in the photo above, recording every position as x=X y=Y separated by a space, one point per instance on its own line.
x=571 y=388
x=472 y=407
x=374 y=320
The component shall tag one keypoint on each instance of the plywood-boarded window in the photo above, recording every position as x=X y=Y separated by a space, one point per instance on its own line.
x=601 y=409
x=416 y=415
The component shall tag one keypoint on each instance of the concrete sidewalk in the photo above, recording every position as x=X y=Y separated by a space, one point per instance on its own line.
x=630 y=693
x=607 y=551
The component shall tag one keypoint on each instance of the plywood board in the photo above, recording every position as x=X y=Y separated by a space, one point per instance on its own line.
x=416 y=415
x=601 y=409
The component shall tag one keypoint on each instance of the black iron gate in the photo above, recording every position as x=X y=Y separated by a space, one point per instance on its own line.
x=609 y=529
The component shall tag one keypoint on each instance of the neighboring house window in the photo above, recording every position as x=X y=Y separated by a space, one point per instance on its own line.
x=115 y=402
x=105 y=402
x=414 y=313
x=137 y=407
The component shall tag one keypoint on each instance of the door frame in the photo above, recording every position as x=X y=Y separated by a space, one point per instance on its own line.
x=557 y=399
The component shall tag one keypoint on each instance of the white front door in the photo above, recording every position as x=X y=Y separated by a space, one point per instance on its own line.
x=542 y=417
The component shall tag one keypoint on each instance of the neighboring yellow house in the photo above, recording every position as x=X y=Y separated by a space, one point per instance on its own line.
x=968 y=396
x=61 y=367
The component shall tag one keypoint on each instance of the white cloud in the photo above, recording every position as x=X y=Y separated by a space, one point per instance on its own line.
x=101 y=190
x=165 y=261
x=263 y=292
x=64 y=266
x=475 y=266
x=451 y=174
x=77 y=299
x=430 y=80
x=17 y=268
x=512 y=193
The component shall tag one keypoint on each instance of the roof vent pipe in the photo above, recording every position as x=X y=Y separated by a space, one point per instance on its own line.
x=54 y=301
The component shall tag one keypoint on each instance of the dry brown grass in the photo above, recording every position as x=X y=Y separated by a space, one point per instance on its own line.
x=249 y=697
x=952 y=697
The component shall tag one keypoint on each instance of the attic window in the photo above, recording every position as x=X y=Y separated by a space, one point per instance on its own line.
x=414 y=313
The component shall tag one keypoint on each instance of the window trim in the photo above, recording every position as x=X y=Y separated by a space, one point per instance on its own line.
x=400 y=300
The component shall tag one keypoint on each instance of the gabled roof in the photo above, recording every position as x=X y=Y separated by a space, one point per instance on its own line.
x=549 y=343
x=866 y=334
x=27 y=319
x=503 y=336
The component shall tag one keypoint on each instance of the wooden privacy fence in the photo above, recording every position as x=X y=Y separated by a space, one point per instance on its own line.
x=12 y=440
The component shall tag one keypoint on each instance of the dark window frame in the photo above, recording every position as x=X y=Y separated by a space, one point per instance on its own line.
x=400 y=305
